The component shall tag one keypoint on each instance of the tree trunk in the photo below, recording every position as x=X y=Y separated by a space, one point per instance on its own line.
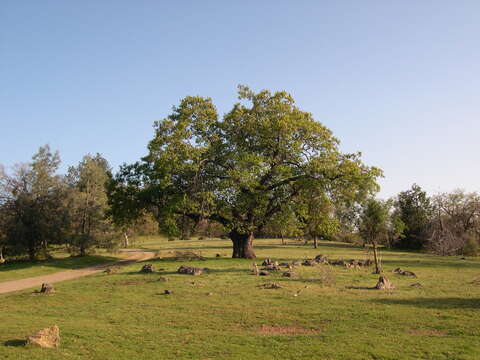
x=125 y=237
x=315 y=242
x=242 y=245
x=378 y=268
x=2 y=260
x=283 y=239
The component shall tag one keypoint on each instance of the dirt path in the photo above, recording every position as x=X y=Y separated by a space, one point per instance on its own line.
x=133 y=255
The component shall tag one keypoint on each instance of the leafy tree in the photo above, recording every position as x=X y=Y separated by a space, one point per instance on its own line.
x=33 y=205
x=374 y=226
x=320 y=217
x=414 y=208
x=88 y=202
x=284 y=223
x=240 y=171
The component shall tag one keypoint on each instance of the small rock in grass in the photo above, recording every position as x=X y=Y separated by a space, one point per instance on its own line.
x=209 y=294
x=399 y=271
x=110 y=271
x=272 y=266
x=189 y=270
x=266 y=262
x=288 y=274
x=47 y=289
x=271 y=286
x=309 y=262
x=263 y=273
x=163 y=278
x=46 y=338
x=417 y=285
x=384 y=284
x=147 y=268
x=168 y=292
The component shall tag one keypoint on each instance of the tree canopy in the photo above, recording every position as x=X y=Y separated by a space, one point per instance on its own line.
x=240 y=170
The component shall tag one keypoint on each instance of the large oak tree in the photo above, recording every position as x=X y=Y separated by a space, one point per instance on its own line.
x=240 y=170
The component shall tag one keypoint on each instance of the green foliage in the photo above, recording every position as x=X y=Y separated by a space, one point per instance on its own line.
x=240 y=171
x=414 y=209
x=471 y=247
x=88 y=204
x=33 y=206
x=374 y=221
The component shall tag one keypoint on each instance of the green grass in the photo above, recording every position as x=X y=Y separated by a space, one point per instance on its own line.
x=61 y=261
x=126 y=315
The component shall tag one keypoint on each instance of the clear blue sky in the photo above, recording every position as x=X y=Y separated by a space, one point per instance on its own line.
x=397 y=80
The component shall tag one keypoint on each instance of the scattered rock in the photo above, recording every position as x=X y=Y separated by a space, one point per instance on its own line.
x=209 y=294
x=266 y=262
x=46 y=338
x=47 y=289
x=255 y=270
x=399 y=271
x=284 y=264
x=384 y=284
x=309 y=262
x=272 y=266
x=296 y=263
x=271 y=286
x=168 y=292
x=147 y=268
x=321 y=259
x=110 y=271
x=189 y=270
x=417 y=285
x=338 y=262
x=218 y=255
x=288 y=274
x=163 y=278
x=264 y=273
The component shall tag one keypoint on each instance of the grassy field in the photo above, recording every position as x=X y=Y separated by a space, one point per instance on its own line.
x=227 y=314
x=60 y=261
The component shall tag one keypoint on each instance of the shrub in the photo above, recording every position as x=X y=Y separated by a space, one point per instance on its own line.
x=471 y=247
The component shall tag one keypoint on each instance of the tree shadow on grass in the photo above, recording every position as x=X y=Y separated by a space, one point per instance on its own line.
x=434 y=303
x=16 y=342
x=66 y=263
x=361 y=287
x=210 y=271
x=420 y=263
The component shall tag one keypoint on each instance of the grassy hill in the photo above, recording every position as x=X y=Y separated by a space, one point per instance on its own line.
x=228 y=314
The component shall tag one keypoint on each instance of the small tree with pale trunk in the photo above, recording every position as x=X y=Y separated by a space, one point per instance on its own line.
x=374 y=226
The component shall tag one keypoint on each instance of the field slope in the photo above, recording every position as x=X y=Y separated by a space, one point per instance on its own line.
x=228 y=314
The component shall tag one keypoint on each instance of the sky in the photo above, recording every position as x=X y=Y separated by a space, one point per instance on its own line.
x=398 y=81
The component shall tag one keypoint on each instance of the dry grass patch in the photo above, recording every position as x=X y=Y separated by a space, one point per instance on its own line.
x=180 y=255
x=285 y=330
x=424 y=332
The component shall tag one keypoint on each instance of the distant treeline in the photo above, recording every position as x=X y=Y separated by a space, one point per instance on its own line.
x=81 y=210
x=40 y=210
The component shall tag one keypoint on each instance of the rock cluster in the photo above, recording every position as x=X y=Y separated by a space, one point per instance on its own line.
x=189 y=270
x=399 y=271
x=148 y=268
